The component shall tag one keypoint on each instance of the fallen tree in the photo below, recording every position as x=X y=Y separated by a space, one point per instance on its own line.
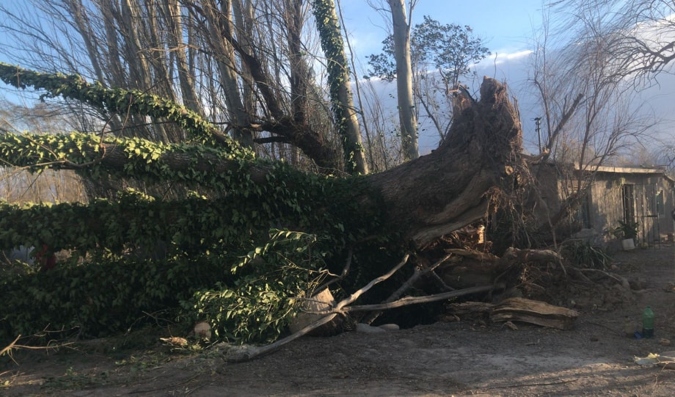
x=315 y=220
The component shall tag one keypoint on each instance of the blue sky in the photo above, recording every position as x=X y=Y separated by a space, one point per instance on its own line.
x=506 y=26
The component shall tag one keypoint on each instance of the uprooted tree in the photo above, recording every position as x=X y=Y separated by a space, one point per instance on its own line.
x=253 y=238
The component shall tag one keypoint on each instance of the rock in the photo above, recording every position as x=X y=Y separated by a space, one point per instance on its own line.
x=368 y=329
x=389 y=327
x=318 y=302
x=638 y=283
x=202 y=330
x=664 y=342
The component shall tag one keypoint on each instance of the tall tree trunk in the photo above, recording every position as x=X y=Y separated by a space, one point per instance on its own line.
x=175 y=38
x=219 y=22
x=338 y=78
x=243 y=19
x=299 y=70
x=79 y=14
x=404 y=86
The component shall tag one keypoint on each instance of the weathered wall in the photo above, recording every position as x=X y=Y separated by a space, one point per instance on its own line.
x=605 y=200
x=607 y=208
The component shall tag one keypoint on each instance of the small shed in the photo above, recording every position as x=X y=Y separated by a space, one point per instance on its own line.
x=642 y=195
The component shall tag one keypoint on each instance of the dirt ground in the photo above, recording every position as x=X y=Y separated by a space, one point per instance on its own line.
x=447 y=358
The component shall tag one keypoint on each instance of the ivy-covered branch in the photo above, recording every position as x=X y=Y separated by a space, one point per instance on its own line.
x=120 y=101
x=195 y=224
x=132 y=158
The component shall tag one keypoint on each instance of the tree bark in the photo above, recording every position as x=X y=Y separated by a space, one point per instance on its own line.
x=339 y=80
x=451 y=187
x=219 y=25
x=406 y=104
x=175 y=38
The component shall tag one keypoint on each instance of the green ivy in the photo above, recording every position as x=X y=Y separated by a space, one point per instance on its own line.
x=265 y=297
x=102 y=297
x=119 y=101
x=136 y=158
x=338 y=70
x=219 y=262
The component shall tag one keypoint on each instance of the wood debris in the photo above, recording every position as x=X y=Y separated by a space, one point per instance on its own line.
x=534 y=312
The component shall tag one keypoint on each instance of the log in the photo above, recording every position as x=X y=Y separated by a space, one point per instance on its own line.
x=534 y=312
x=452 y=187
x=464 y=308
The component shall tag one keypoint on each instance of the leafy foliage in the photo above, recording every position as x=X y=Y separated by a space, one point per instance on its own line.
x=218 y=257
x=106 y=296
x=209 y=235
x=119 y=157
x=585 y=254
x=264 y=297
x=451 y=49
x=626 y=230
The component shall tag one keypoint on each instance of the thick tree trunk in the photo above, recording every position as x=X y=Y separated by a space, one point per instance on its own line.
x=451 y=187
x=419 y=200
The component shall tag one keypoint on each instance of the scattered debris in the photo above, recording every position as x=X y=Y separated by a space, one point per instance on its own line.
x=463 y=308
x=651 y=359
x=534 y=312
x=175 y=341
x=517 y=309
x=511 y=325
x=665 y=360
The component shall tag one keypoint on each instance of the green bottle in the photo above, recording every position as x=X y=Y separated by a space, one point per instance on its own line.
x=648 y=323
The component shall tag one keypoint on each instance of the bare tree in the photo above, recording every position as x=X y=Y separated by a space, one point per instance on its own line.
x=638 y=34
x=243 y=64
x=404 y=80
x=589 y=118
